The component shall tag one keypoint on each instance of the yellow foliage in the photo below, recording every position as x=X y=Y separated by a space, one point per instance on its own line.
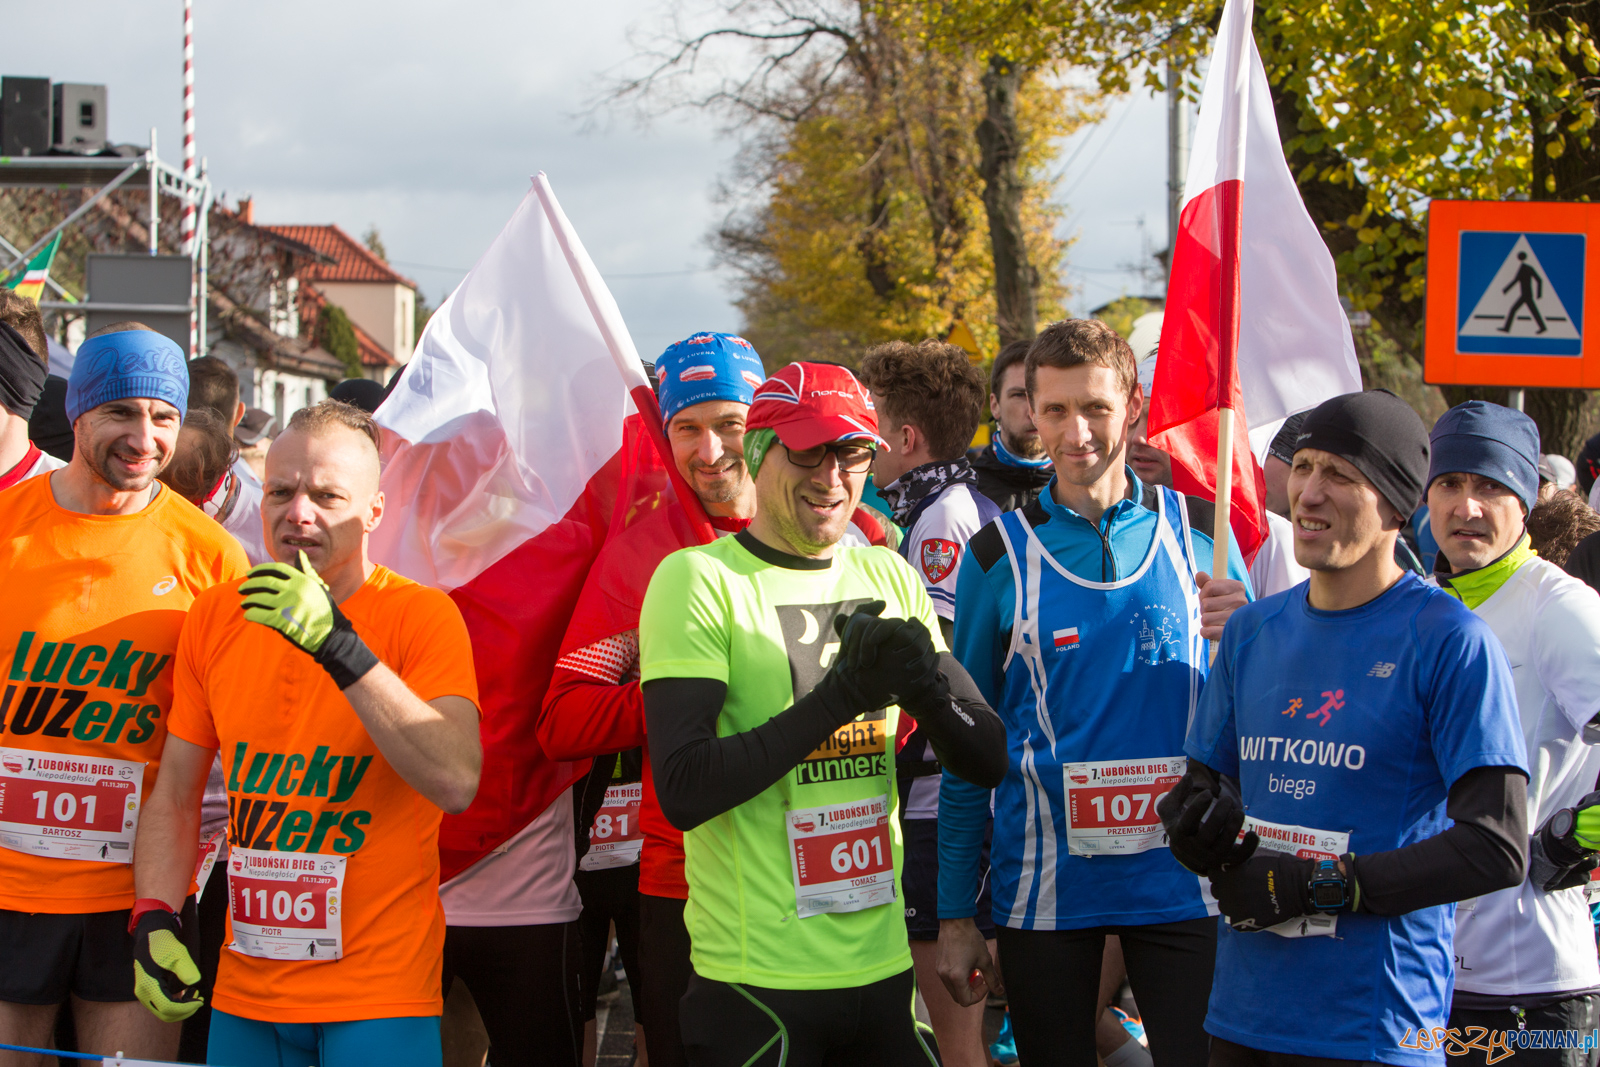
x=871 y=224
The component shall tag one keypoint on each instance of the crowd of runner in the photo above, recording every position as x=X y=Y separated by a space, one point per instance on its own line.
x=918 y=726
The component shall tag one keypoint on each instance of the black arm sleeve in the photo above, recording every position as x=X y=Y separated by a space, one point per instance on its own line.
x=968 y=738
x=1486 y=850
x=699 y=775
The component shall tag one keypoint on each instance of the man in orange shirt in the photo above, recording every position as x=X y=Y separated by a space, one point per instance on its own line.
x=100 y=563
x=343 y=700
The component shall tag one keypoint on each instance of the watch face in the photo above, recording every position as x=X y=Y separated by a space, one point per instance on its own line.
x=1327 y=895
x=1561 y=823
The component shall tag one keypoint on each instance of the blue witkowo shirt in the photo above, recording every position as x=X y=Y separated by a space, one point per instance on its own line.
x=1351 y=722
x=1086 y=640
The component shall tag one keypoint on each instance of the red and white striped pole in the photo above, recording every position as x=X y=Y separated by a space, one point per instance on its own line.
x=189 y=205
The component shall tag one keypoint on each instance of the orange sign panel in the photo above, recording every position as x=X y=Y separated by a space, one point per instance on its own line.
x=1513 y=294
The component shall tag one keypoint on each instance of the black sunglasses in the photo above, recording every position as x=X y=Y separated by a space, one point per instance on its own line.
x=853 y=457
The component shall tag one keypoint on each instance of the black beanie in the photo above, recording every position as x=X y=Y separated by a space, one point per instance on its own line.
x=1282 y=446
x=1588 y=464
x=1380 y=435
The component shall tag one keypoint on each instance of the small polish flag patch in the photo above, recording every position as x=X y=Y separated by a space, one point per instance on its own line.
x=697 y=374
x=1066 y=638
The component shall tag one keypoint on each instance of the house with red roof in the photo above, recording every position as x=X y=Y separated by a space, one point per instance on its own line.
x=380 y=302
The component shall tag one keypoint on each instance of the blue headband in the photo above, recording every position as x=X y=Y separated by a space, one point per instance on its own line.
x=132 y=363
x=707 y=366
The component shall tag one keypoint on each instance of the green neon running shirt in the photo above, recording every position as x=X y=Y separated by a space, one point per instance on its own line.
x=717 y=611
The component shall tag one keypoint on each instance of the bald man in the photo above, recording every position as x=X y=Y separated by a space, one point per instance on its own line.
x=343 y=701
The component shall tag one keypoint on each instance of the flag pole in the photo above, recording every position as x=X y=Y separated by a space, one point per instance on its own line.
x=1220 y=532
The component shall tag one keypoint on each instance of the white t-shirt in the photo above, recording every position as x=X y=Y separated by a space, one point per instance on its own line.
x=934 y=545
x=1275 y=568
x=525 y=882
x=44 y=465
x=243 y=520
x=1523 y=940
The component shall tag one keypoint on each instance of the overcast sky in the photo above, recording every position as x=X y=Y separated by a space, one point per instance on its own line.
x=427 y=119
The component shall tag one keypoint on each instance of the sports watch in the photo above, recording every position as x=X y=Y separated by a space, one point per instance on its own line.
x=1562 y=823
x=1329 y=887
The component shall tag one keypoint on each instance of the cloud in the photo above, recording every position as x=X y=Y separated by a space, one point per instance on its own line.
x=424 y=119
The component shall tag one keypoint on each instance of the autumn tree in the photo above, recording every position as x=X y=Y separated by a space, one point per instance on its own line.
x=862 y=202
x=1383 y=105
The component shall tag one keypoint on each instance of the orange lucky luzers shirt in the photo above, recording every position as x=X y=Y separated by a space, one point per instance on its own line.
x=93 y=606
x=306 y=780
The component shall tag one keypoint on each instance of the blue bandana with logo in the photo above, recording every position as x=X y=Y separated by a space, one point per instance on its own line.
x=131 y=363
x=707 y=366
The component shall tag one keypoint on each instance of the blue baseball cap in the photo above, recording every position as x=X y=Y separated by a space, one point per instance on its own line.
x=1491 y=441
x=707 y=366
x=129 y=363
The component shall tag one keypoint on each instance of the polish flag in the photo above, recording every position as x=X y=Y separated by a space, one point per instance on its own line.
x=1066 y=637
x=521 y=435
x=1253 y=321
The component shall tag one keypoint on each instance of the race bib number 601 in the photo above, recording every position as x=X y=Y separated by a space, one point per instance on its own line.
x=285 y=905
x=1111 y=806
x=842 y=856
x=70 y=807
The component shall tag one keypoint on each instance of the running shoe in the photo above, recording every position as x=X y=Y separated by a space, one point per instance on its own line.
x=1004 y=1049
x=1132 y=1024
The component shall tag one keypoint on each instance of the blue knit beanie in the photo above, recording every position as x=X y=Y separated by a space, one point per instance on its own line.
x=130 y=363
x=707 y=366
x=1490 y=441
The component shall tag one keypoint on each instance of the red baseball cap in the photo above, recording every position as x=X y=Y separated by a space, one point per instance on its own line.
x=811 y=404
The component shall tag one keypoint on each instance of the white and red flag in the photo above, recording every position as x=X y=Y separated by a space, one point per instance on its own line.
x=1253 y=321
x=522 y=435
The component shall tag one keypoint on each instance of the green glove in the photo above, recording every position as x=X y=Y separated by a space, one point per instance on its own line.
x=296 y=603
x=165 y=978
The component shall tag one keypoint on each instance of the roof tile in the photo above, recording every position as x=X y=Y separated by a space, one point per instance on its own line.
x=352 y=261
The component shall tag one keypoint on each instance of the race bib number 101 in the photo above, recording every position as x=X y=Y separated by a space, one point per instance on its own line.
x=70 y=807
x=1111 y=806
x=286 y=905
x=842 y=856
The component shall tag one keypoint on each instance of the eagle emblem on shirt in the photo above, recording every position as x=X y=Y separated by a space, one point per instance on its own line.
x=938 y=558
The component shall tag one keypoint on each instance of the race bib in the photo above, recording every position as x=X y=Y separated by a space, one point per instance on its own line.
x=286 y=905
x=1111 y=806
x=211 y=848
x=842 y=857
x=1306 y=843
x=615 y=838
x=70 y=807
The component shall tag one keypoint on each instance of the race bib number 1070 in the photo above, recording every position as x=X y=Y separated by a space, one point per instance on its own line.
x=1111 y=806
x=69 y=807
x=842 y=856
x=286 y=905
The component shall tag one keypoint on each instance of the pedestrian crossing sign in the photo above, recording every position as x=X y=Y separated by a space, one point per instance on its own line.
x=1509 y=287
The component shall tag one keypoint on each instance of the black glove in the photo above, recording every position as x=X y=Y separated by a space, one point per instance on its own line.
x=879 y=660
x=165 y=978
x=851 y=687
x=911 y=665
x=1558 y=860
x=1203 y=818
x=1265 y=890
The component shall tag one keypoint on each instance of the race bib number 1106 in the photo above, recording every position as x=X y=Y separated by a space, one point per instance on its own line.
x=70 y=807
x=286 y=905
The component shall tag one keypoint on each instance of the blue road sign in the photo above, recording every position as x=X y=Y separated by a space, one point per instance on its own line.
x=1520 y=294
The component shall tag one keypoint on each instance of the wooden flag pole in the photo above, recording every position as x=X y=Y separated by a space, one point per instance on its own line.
x=1221 y=531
